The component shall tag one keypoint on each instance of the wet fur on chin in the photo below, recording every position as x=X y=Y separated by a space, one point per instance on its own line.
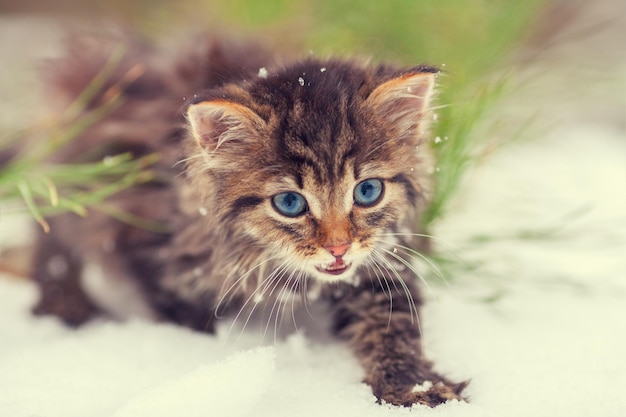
x=230 y=138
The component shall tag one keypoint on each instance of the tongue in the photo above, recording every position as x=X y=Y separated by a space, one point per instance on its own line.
x=338 y=264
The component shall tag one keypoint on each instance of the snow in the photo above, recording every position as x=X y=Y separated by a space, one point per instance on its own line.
x=536 y=324
x=210 y=387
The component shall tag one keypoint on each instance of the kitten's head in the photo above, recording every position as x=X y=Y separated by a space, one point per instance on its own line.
x=316 y=162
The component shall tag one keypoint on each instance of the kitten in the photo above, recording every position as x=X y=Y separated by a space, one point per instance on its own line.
x=273 y=181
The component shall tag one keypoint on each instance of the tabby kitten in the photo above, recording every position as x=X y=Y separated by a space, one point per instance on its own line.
x=274 y=182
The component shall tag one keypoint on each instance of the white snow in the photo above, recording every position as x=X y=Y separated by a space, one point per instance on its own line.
x=210 y=387
x=538 y=327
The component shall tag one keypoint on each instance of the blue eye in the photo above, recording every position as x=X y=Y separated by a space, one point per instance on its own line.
x=289 y=204
x=368 y=192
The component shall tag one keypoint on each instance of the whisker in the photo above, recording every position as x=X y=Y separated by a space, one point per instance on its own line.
x=412 y=306
x=276 y=282
x=380 y=261
x=190 y=158
x=386 y=265
x=277 y=302
x=304 y=294
x=454 y=250
x=369 y=265
x=413 y=311
x=407 y=264
x=271 y=287
x=238 y=282
x=388 y=293
x=373 y=150
x=263 y=287
x=298 y=286
x=288 y=288
x=440 y=106
x=426 y=259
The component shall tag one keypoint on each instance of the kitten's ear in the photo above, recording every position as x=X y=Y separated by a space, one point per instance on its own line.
x=404 y=100
x=218 y=122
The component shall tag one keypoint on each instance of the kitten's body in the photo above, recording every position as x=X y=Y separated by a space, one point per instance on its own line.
x=340 y=137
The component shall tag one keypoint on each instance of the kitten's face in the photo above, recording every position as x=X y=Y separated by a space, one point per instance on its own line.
x=329 y=230
x=318 y=169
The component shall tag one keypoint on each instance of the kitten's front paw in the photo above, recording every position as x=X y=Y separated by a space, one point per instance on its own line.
x=73 y=312
x=66 y=302
x=428 y=394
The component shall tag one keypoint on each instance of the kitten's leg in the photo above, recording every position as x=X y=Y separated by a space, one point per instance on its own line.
x=199 y=317
x=57 y=270
x=175 y=296
x=389 y=347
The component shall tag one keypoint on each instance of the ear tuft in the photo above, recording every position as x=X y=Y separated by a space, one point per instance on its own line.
x=219 y=122
x=404 y=100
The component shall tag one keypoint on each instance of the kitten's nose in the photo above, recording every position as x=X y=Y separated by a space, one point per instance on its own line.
x=338 y=250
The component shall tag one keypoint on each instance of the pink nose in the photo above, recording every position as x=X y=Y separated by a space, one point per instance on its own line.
x=338 y=250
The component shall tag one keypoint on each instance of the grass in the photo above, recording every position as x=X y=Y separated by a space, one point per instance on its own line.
x=31 y=180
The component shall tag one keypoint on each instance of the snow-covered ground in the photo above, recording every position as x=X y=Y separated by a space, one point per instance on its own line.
x=538 y=325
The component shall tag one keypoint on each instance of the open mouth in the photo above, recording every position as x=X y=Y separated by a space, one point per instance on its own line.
x=334 y=268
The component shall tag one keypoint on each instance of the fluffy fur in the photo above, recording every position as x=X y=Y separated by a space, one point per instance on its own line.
x=233 y=130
